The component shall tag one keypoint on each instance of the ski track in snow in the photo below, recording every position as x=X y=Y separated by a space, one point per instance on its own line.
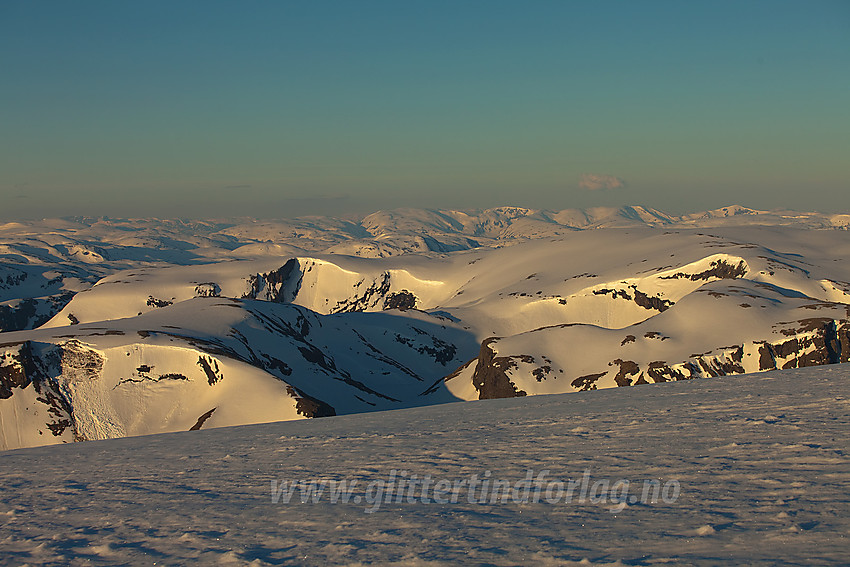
x=762 y=461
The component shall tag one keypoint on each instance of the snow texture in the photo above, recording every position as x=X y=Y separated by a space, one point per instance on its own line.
x=763 y=462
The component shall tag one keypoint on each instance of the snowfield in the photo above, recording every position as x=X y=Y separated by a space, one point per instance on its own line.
x=762 y=462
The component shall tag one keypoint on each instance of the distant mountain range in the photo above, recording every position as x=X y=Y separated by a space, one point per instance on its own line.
x=124 y=327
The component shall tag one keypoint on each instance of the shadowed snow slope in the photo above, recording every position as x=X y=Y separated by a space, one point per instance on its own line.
x=218 y=361
x=762 y=464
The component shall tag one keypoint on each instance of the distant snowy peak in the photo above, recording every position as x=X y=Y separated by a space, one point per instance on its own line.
x=724 y=212
x=608 y=217
x=506 y=222
x=737 y=215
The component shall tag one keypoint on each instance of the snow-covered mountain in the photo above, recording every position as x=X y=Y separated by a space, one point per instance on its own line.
x=171 y=325
x=45 y=262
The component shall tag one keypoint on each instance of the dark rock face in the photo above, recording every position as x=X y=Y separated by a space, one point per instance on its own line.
x=720 y=269
x=13 y=373
x=615 y=293
x=144 y=373
x=627 y=368
x=309 y=406
x=207 y=289
x=173 y=376
x=650 y=302
x=210 y=368
x=30 y=313
x=541 y=372
x=814 y=342
x=365 y=298
x=14 y=277
x=809 y=342
x=18 y=318
x=401 y=300
x=273 y=363
x=587 y=382
x=640 y=298
x=154 y=302
x=659 y=372
x=273 y=286
x=441 y=351
x=20 y=368
x=77 y=358
x=201 y=420
x=490 y=378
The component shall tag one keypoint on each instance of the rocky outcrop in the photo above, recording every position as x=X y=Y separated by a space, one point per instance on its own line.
x=30 y=313
x=15 y=370
x=278 y=286
x=365 y=297
x=207 y=289
x=808 y=342
x=720 y=269
x=201 y=420
x=20 y=368
x=587 y=382
x=210 y=367
x=811 y=342
x=626 y=368
x=401 y=300
x=312 y=407
x=639 y=297
x=490 y=377
x=438 y=349
x=154 y=302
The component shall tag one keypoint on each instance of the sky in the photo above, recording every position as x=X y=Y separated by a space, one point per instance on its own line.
x=276 y=109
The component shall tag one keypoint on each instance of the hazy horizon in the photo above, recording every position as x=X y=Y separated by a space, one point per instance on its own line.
x=216 y=109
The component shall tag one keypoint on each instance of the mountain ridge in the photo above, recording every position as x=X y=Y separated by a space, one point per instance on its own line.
x=161 y=331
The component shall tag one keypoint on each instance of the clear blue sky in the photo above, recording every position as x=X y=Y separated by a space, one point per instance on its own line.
x=216 y=108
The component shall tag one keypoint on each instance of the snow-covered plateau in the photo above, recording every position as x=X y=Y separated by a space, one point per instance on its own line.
x=116 y=328
x=741 y=470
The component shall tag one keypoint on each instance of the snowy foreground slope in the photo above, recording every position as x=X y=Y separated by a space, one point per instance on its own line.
x=761 y=461
x=174 y=334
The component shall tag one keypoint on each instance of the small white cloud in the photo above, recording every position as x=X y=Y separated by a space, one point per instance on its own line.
x=597 y=182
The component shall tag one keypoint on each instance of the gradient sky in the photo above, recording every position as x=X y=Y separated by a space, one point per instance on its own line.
x=275 y=109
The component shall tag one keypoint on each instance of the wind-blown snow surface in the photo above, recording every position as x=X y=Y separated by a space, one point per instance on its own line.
x=763 y=463
x=175 y=334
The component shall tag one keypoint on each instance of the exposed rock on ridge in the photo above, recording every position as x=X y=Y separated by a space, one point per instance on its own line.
x=491 y=378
